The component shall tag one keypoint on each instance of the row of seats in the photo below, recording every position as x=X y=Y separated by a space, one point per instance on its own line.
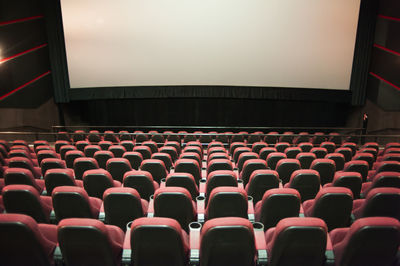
x=221 y=241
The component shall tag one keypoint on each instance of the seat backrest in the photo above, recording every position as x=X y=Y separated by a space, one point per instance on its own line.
x=171 y=151
x=81 y=144
x=117 y=150
x=122 y=205
x=161 y=236
x=22 y=243
x=329 y=146
x=142 y=181
x=70 y=157
x=88 y=242
x=117 y=167
x=243 y=157
x=227 y=241
x=128 y=144
x=291 y=152
x=102 y=157
x=286 y=167
x=218 y=165
x=305 y=146
x=298 y=241
x=369 y=241
x=382 y=202
x=165 y=157
x=188 y=166
x=277 y=204
x=135 y=158
x=104 y=145
x=227 y=202
x=281 y=146
x=346 y=151
x=326 y=169
x=94 y=136
x=220 y=178
x=319 y=152
x=261 y=181
x=333 y=205
x=184 y=180
x=357 y=166
x=25 y=199
x=22 y=162
x=52 y=163
x=249 y=167
x=64 y=149
x=365 y=156
x=156 y=168
x=109 y=135
x=338 y=158
x=388 y=166
x=270 y=138
x=386 y=179
x=257 y=146
x=144 y=150
x=72 y=202
x=83 y=164
x=264 y=152
x=58 y=177
x=273 y=158
x=175 y=203
x=20 y=176
x=307 y=182
x=59 y=144
x=306 y=159
x=350 y=180
x=96 y=181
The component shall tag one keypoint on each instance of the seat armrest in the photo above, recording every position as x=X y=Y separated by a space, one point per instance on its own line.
x=250 y=209
x=201 y=201
x=261 y=246
x=126 y=249
x=202 y=187
x=150 y=210
x=163 y=183
x=194 y=238
x=57 y=256
x=329 y=255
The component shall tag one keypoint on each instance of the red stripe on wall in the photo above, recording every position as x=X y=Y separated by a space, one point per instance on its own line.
x=22 y=53
x=24 y=85
x=386 y=49
x=390 y=18
x=19 y=20
x=384 y=80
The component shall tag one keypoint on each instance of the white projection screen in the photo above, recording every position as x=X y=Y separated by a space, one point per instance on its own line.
x=263 y=43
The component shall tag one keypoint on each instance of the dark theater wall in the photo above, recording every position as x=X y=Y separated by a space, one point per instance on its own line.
x=25 y=85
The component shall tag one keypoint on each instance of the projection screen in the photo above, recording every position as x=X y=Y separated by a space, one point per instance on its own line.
x=263 y=43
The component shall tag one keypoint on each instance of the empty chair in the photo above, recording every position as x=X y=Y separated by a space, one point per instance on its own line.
x=89 y=242
x=385 y=166
x=96 y=181
x=22 y=162
x=94 y=136
x=390 y=157
x=291 y=152
x=191 y=155
x=227 y=241
x=392 y=145
x=216 y=149
x=142 y=181
x=329 y=146
x=144 y=151
x=152 y=145
x=338 y=158
x=243 y=157
x=59 y=144
x=37 y=247
x=379 y=202
x=297 y=241
x=117 y=167
x=60 y=177
x=83 y=164
x=124 y=135
x=165 y=157
x=123 y=205
x=264 y=152
x=220 y=178
x=319 y=152
x=175 y=144
x=23 y=153
x=184 y=180
x=175 y=203
x=261 y=181
x=335 y=138
x=128 y=145
x=64 y=149
x=140 y=137
x=287 y=137
x=25 y=199
x=189 y=137
x=249 y=167
x=188 y=166
x=382 y=179
x=43 y=154
x=352 y=146
x=333 y=205
x=52 y=163
x=371 y=151
x=305 y=159
x=135 y=158
x=286 y=167
x=238 y=137
x=156 y=168
x=117 y=150
x=22 y=176
x=70 y=157
x=254 y=137
x=273 y=158
x=217 y=155
x=305 y=146
x=271 y=137
x=74 y=202
x=374 y=145
x=282 y=146
x=205 y=139
x=369 y=241
x=80 y=145
x=105 y=145
x=79 y=135
x=43 y=148
x=102 y=157
x=161 y=236
x=277 y=204
x=222 y=137
x=307 y=182
x=357 y=166
x=303 y=137
x=219 y=164
x=194 y=149
x=350 y=180
x=90 y=150
x=239 y=150
x=365 y=156
x=63 y=135
x=110 y=136
x=257 y=146
x=346 y=151
x=158 y=139
x=227 y=202
x=326 y=169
